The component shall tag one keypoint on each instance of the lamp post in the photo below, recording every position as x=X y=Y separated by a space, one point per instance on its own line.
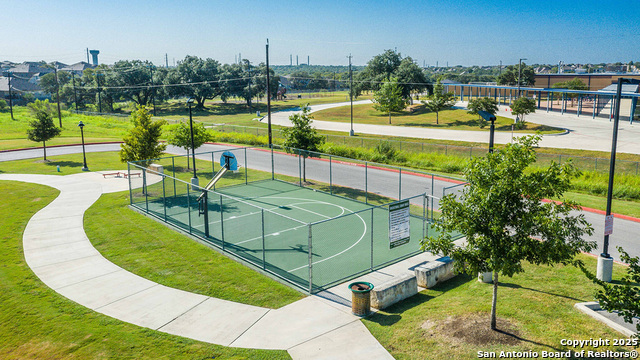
x=519 y=66
x=489 y=117
x=605 y=261
x=351 y=94
x=84 y=155
x=194 y=181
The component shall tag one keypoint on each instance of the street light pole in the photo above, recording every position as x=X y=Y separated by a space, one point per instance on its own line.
x=605 y=261
x=519 y=74
x=84 y=154
x=489 y=117
x=269 y=98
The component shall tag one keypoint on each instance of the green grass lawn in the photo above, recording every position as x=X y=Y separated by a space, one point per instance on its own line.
x=38 y=323
x=538 y=304
x=454 y=119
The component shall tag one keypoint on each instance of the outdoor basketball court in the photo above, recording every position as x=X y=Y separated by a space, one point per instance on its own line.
x=309 y=238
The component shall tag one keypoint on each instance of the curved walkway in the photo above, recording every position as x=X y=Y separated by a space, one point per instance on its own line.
x=58 y=251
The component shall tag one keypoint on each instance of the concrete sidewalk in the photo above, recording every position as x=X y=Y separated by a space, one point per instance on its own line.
x=60 y=254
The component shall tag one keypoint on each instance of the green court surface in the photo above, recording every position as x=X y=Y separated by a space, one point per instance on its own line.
x=293 y=232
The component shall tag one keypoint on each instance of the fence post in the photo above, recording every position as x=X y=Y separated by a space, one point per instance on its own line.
x=221 y=223
x=213 y=165
x=144 y=188
x=189 y=207
x=272 y=166
x=264 y=259
x=173 y=167
x=310 y=244
x=399 y=183
x=299 y=168
x=330 y=177
x=366 y=183
x=164 y=199
x=424 y=215
x=596 y=167
x=371 y=239
x=446 y=149
x=130 y=190
x=246 y=178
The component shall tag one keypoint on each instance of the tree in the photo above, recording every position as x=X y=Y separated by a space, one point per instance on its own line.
x=180 y=136
x=505 y=222
x=487 y=104
x=509 y=76
x=624 y=297
x=389 y=98
x=143 y=141
x=412 y=78
x=132 y=78
x=302 y=136
x=203 y=77
x=42 y=129
x=522 y=106
x=439 y=100
x=379 y=70
x=574 y=84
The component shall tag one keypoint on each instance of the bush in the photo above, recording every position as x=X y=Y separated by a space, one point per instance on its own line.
x=386 y=150
x=3 y=105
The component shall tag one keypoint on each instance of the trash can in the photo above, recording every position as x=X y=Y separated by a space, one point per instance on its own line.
x=360 y=297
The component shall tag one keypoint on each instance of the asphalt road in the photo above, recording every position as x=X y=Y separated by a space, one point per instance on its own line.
x=390 y=183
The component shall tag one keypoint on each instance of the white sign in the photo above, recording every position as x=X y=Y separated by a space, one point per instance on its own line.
x=399 y=229
x=608 y=225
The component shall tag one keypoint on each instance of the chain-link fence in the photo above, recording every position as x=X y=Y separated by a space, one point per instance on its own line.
x=311 y=219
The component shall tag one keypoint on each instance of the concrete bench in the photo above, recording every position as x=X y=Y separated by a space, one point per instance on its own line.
x=435 y=272
x=157 y=168
x=392 y=291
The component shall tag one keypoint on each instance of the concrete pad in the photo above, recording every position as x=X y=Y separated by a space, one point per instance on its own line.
x=292 y=325
x=153 y=307
x=75 y=271
x=612 y=320
x=101 y=291
x=34 y=241
x=59 y=253
x=352 y=341
x=215 y=321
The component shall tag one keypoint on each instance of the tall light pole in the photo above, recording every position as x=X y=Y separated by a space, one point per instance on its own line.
x=194 y=181
x=519 y=74
x=84 y=155
x=489 y=117
x=351 y=94
x=605 y=261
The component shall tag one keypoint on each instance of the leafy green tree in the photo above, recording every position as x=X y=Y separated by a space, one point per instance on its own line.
x=143 y=141
x=180 y=135
x=3 y=105
x=411 y=77
x=131 y=79
x=624 y=297
x=501 y=214
x=203 y=77
x=379 y=70
x=574 y=84
x=521 y=107
x=439 y=100
x=42 y=129
x=302 y=136
x=389 y=98
x=509 y=76
x=487 y=104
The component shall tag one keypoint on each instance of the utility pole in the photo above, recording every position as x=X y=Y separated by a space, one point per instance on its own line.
x=55 y=71
x=10 y=95
x=153 y=90
x=351 y=94
x=269 y=98
x=166 y=60
x=500 y=69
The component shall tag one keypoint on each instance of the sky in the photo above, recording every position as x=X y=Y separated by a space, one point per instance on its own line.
x=431 y=32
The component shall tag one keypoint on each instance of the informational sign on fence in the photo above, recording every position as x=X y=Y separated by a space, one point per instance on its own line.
x=608 y=225
x=399 y=229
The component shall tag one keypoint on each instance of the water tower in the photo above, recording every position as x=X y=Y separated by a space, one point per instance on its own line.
x=94 y=56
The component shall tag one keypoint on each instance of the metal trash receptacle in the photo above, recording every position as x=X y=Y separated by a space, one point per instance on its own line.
x=361 y=297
